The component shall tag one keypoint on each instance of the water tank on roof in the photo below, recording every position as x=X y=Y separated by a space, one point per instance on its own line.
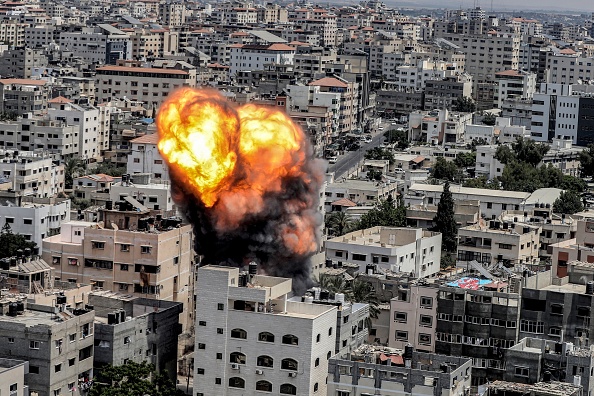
x=324 y=294
x=111 y=318
x=590 y=287
x=61 y=300
x=309 y=299
x=253 y=268
x=20 y=307
x=408 y=351
x=339 y=297
x=122 y=316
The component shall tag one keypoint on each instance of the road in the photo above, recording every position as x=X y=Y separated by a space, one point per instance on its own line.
x=348 y=160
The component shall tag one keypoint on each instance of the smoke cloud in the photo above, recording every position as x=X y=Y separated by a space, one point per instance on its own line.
x=246 y=179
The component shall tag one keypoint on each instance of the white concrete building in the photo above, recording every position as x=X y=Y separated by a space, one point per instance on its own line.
x=514 y=84
x=255 y=57
x=154 y=196
x=35 y=218
x=146 y=158
x=250 y=338
x=409 y=250
x=486 y=164
x=32 y=173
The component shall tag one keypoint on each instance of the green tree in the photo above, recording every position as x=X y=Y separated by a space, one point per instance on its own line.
x=73 y=167
x=445 y=170
x=10 y=243
x=378 y=153
x=505 y=155
x=465 y=160
x=385 y=213
x=362 y=292
x=109 y=169
x=333 y=283
x=447 y=261
x=527 y=150
x=397 y=136
x=133 y=379
x=587 y=162
x=373 y=174
x=569 y=202
x=573 y=183
x=464 y=104
x=339 y=223
x=489 y=119
x=481 y=182
x=444 y=220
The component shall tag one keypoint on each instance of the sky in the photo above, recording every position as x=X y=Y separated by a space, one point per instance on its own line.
x=504 y=5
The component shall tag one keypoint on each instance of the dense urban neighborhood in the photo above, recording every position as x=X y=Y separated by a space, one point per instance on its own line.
x=295 y=198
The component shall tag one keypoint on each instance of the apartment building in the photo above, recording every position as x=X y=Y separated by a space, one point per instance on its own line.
x=103 y=44
x=549 y=388
x=21 y=96
x=518 y=111
x=567 y=67
x=438 y=127
x=57 y=343
x=374 y=369
x=393 y=103
x=136 y=329
x=492 y=202
x=146 y=158
x=506 y=242
x=310 y=61
x=413 y=316
x=513 y=84
x=349 y=103
x=94 y=125
x=466 y=212
x=442 y=93
x=12 y=32
x=250 y=337
x=486 y=54
x=133 y=252
x=31 y=173
x=256 y=57
x=12 y=377
x=172 y=14
x=398 y=249
x=564 y=112
x=575 y=246
x=155 y=196
x=149 y=85
x=39 y=36
x=478 y=319
x=20 y=62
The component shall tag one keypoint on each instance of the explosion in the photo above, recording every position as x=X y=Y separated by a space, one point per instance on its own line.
x=245 y=178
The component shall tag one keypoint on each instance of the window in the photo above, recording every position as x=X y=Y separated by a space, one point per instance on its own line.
x=33 y=369
x=264 y=386
x=266 y=337
x=236 y=382
x=200 y=371
x=11 y=340
x=265 y=361
x=33 y=344
x=220 y=307
x=202 y=323
x=400 y=317
x=72 y=337
x=288 y=389
x=318 y=338
x=71 y=362
x=424 y=339
x=123 y=267
x=237 y=357
x=330 y=331
x=426 y=321
x=557 y=309
x=58 y=368
x=10 y=220
x=290 y=339
x=426 y=302
x=98 y=245
x=145 y=249
x=289 y=364
x=555 y=331
x=201 y=346
x=359 y=257
x=27 y=221
x=124 y=247
x=316 y=387
x=522 y=371
x=401 y=335
x=219 y=330
x=239 y=333
x=13 y=388
x=126 y=340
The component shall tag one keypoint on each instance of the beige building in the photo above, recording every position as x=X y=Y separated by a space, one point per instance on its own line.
x=494 y=242
x=12 y=377
x=132 y=251
x=579 y=248
x=22 y=96
x=349 y=105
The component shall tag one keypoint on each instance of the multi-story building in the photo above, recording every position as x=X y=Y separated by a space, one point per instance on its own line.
x=127 y=254
x=31 y=173
x=12 y=377
x=478 y=319
x=509 y=243
x=149 y=85
x=515 y=84
x=466 y=212
x=349 y=104
x=388 y=371
x=575 y=246
x=438 y=127
x=398 y=249
x=250 y=337
x=21 y=96
x=172 y=14
x=440 y=94
x=564 y=112
x=19 y=62
x=256 y=57
x=518 y=111
x=361 y=192
x=57 y=343
x=566 y=67
x=103 y=44
x=137 y=330
x=12 y=32
x=146 y=158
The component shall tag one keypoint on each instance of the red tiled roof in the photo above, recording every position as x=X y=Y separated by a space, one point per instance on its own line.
x=22 y=81
x=344 y=202
x=60 y=99
x=396 y=359
x=152 y=138
x=328 y=82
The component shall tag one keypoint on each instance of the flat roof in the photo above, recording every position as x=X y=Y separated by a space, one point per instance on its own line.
x=142 y=70
x=457 y=189
x=567 y=288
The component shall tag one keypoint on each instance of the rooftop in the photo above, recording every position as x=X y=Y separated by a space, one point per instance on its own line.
x=552 y=388
x=152 y=138
x=140 y=70
x=328 y=82
x=457 y=189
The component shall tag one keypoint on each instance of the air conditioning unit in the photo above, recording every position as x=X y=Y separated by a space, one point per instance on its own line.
x=234 y=366
x=259 y=372
x=292 y=375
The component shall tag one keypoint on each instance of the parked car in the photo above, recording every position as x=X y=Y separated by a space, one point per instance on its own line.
x=332 y=159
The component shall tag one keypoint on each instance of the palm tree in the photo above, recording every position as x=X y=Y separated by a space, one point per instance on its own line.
x=73 y=167
x=339 y=223
x=362 y=292
x=333 y=283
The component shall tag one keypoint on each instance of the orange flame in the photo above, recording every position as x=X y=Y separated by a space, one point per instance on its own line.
x=231 y=159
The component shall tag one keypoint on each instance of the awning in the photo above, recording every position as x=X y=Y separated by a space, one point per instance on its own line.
x=419 y=159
